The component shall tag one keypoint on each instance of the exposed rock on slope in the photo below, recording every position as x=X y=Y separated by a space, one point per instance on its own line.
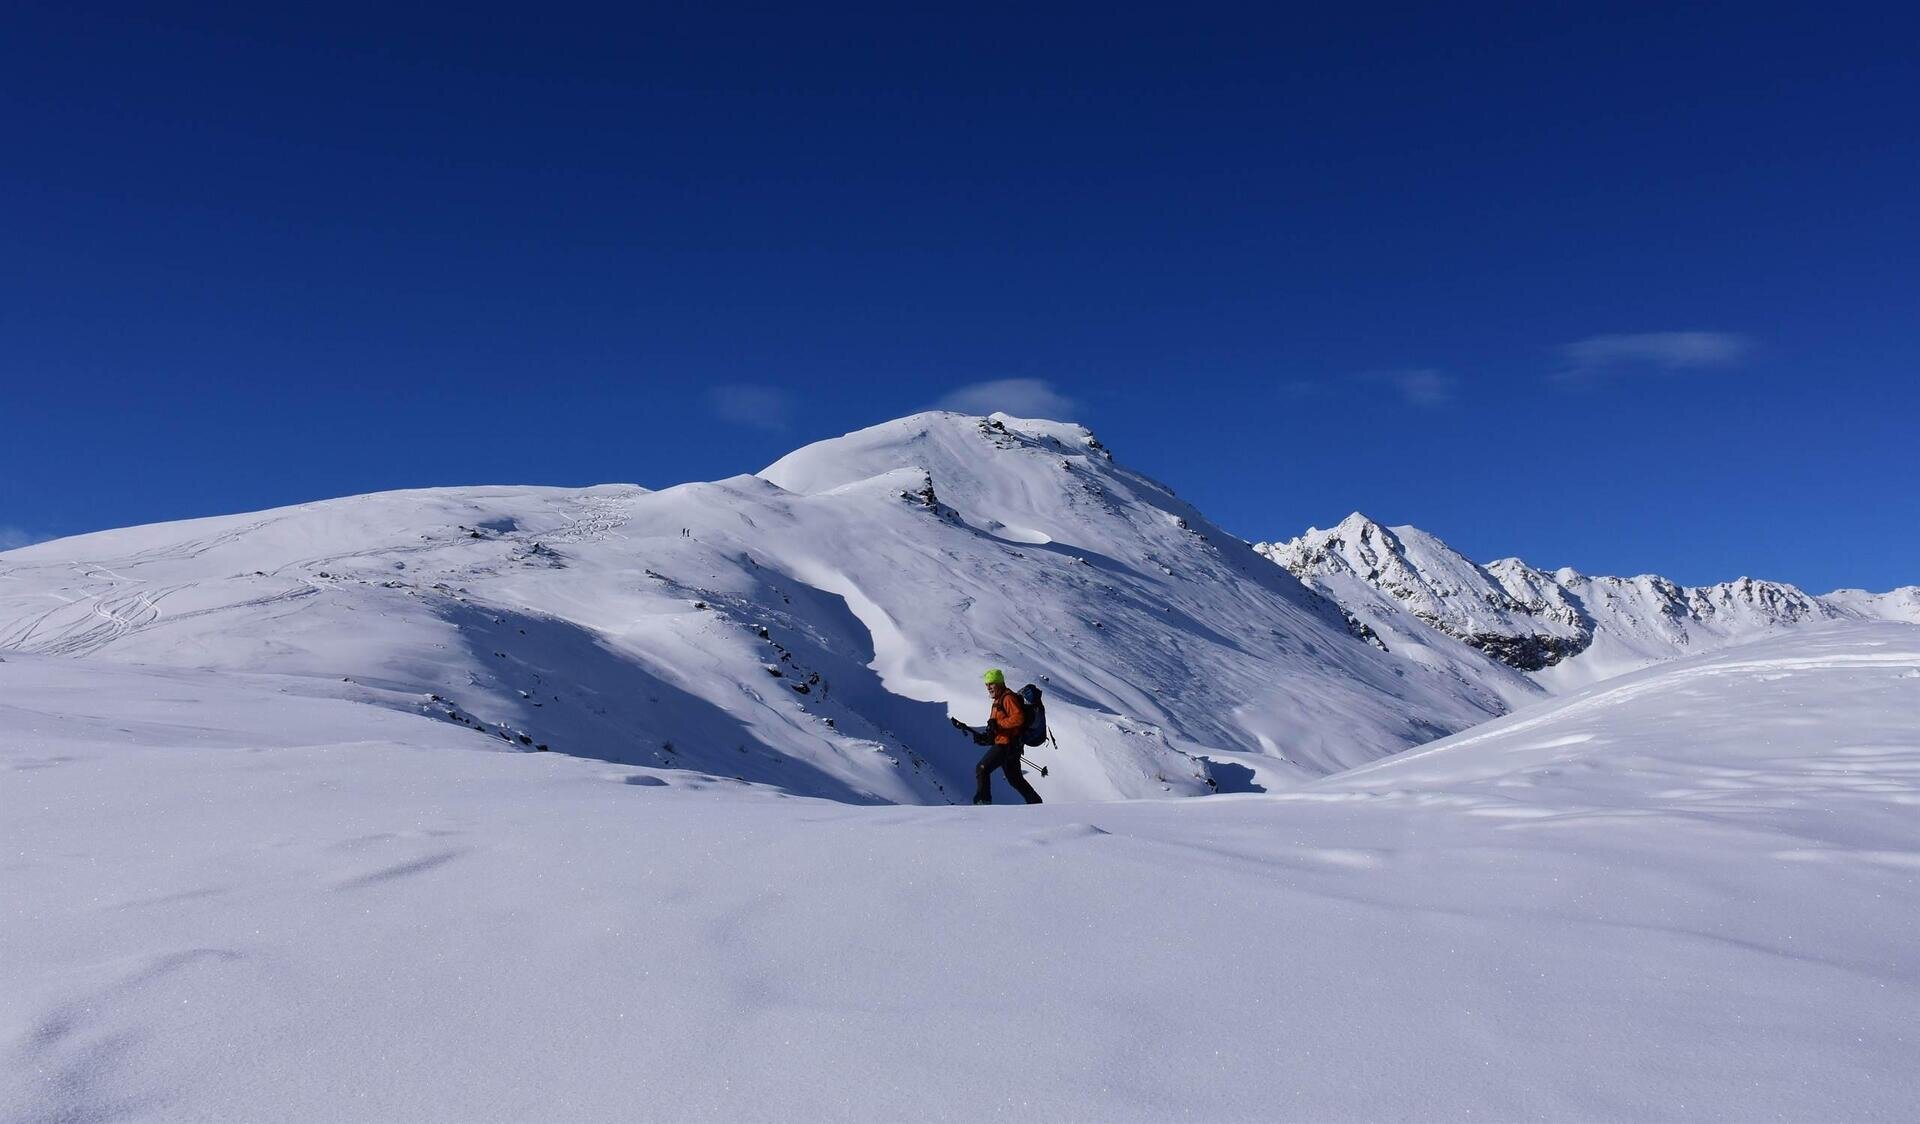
x=1565 y=628
x=1524 y=626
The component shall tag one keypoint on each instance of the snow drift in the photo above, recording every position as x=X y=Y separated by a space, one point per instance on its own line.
x=1687 y=895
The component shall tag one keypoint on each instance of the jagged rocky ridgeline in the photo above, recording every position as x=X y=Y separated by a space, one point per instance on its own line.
x=1565 y=628
x=813 y=626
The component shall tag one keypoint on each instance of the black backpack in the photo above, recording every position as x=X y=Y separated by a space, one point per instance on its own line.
x=1035 y=731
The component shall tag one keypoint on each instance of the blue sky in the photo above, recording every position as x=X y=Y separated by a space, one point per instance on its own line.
x=1631 y=289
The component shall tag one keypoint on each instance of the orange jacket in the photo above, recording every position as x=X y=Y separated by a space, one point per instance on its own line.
x=1009 y=717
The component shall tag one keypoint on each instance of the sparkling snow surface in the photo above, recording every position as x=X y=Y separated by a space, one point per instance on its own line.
x=1692 y=893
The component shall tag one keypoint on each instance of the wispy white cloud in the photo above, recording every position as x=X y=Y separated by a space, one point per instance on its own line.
x=756 y=407
x=1023 y=398
x=1425 y=387
x=1595 y=358
x=12 y=538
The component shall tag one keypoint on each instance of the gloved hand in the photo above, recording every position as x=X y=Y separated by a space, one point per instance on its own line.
x=981 y=737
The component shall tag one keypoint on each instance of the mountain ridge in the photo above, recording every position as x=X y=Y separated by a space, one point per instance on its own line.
x=1563 y=628
x=810 y=628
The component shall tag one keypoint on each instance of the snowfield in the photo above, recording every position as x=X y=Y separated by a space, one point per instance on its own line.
x=518 y=803
x=1686 y=894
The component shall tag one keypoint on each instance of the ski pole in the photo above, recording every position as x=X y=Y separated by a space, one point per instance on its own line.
x=1031 y=765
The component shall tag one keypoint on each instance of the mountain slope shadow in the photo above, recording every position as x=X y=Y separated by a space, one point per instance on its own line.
x=815 y=635
x=550 y=682
x=1231 y=776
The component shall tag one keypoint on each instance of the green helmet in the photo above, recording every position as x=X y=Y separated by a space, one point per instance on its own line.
x=994 y=675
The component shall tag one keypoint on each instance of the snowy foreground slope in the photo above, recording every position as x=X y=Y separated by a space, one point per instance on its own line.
x=1565 y=628
x=1687 y=894
x=811 y=628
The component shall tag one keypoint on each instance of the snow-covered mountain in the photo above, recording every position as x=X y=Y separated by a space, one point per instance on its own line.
x=811 y=627
x=1687 y=894
x=255 y=870
x=1902 y=604
x=1564 y=628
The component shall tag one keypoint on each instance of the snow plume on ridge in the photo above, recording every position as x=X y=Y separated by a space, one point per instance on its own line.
x=811 y=628
x=1026 y=398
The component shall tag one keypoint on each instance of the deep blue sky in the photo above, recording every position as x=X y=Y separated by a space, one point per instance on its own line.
x=1627 y=289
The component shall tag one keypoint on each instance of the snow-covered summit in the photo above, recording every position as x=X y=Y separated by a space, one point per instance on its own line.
x=1506 y=612
x=1902 y=604
x=1566 y=628
x=937 y=440
x=809 y=628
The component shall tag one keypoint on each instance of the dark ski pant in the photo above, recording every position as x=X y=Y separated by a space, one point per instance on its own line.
x=1005 y=758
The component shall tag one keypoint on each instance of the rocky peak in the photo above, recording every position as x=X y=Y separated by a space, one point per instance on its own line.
x=1533 y=619
x=1512 y=617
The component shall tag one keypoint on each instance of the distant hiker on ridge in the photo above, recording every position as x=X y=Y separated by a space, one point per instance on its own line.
x=1003 y=734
